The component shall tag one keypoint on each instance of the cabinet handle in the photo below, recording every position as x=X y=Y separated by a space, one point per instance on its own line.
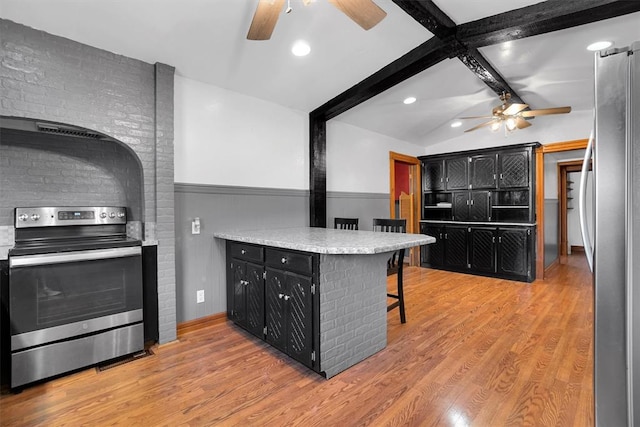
x=446 y=235
x=243 y=252
x=501 y=176
x=280 y=296
x=440 y=236
x=244 y=282
x=283 y=260
x=286 y=297
x=471 y=202
x=500 y=239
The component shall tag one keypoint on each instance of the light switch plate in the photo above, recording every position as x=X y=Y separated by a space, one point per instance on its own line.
x=195 y=226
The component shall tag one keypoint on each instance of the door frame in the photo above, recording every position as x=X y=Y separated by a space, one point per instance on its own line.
x=414 y=187
x=577 y=144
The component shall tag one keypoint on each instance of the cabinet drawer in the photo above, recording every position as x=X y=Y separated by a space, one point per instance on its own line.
x=290 y=261
x=246 y=251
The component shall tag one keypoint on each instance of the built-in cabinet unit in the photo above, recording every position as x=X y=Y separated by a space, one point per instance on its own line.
x=272 y=294
x=480 y=207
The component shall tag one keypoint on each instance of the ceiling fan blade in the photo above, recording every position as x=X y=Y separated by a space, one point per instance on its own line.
x=363 y=12
x=522 y=123
x=480 y=126
x=264 y=19
x=476 y=117
x=546 y=111
x=514 y=109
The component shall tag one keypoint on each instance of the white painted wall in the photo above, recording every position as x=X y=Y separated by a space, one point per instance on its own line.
x=358 y=160
x=226 y=138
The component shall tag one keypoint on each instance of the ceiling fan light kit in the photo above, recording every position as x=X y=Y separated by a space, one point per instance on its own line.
x=513 y=115
x=365 y=13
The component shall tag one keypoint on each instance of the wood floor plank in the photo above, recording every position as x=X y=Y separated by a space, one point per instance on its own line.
x=475 y=351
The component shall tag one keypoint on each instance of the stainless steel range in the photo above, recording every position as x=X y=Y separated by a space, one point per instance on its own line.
x=75 y=290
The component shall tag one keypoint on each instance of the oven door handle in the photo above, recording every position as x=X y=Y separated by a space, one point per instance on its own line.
x=64 y=257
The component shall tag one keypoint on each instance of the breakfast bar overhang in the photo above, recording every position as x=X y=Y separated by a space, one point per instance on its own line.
x=346 y=320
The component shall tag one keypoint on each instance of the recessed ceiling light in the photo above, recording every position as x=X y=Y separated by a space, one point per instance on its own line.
x=409 y=100
x=456 y=124
x=599 y=45
x=301 y=48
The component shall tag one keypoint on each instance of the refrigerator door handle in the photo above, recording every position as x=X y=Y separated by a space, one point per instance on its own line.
x=584 y=227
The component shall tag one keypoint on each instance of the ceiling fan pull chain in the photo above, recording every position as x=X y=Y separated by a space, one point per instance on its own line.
x=288 y=10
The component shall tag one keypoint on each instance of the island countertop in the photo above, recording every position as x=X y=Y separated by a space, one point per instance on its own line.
x=328 y=240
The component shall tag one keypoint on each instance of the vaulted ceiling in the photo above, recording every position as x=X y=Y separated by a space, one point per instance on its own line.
x=454 y=56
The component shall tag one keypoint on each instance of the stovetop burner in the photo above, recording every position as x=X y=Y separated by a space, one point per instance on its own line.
x=67 y=245
x=41 y=230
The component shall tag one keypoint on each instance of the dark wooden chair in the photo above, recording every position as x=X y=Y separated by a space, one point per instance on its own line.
x=345 y=223
x=394 y=264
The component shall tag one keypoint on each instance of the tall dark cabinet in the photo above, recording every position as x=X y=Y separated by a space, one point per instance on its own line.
x=480 y=207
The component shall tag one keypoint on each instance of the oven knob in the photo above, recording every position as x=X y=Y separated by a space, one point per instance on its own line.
x=103 y=215
x=112 y=214
x=23 y=217
x=120 y=214
x=35 y=217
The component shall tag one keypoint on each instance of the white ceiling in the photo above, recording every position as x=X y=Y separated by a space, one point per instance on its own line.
x=206 y=40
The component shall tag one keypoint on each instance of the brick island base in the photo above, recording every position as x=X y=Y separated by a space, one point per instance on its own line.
x=353 y=309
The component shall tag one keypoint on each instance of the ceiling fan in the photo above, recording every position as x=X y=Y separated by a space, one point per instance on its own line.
x=363 y=12
x=513 y=115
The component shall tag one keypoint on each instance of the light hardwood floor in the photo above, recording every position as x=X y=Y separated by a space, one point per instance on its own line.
x=475 y=352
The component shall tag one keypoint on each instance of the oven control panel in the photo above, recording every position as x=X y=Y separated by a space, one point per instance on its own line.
x=61 y=216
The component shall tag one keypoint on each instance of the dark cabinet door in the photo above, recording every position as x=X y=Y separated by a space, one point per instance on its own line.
x=482 y=171
x=299 y=323
x=254 y=293
x=479 y=206
x=433 y=254
x=482 y=253
x=460 y=206
x=238 y=300
x=275 y=317
x=456 y=173
x=455 y=247
x=512 y=251
x=514 y=169
x=288 y=313
x=433 y=175
x=247 y=300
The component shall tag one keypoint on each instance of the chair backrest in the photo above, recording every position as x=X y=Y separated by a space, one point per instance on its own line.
x=345 y=223
x=390 y=225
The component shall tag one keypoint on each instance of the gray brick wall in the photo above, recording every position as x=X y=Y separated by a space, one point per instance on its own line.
x=37 y=169
x=51 y=78
x=353 y=310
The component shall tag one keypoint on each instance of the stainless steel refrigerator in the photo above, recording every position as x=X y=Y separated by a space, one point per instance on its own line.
x=615 y=253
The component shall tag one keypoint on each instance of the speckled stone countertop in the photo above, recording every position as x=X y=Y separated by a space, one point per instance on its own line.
x=328 y=240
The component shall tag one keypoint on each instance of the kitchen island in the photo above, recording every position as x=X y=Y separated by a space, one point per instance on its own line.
x=319 y=295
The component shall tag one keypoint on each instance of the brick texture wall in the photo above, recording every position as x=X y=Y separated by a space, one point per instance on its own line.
x=353 y=317
x=51 y=78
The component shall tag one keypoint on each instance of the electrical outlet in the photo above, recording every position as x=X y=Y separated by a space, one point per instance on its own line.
x=200 y=296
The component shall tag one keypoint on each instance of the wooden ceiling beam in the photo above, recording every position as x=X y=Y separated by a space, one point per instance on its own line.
x=442 y=26
x=541 y=18
x=419 y=59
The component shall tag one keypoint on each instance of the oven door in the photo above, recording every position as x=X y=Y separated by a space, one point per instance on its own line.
x=56 y=296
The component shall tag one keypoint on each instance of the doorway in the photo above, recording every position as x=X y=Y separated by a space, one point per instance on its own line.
x=567 y=189
x=579 y=144
x=404 y=195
